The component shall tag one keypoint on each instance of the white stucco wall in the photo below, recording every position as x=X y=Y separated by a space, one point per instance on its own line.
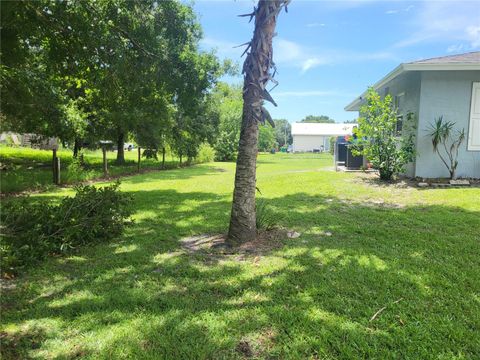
x=446 y=93
x=302 y=143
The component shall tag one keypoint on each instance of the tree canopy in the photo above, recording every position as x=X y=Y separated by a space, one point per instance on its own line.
x=107 y=69
x=283 y=132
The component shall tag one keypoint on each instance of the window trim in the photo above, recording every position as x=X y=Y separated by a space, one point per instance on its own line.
x=470 y=146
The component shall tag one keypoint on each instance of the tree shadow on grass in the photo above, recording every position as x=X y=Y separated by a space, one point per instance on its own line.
x=176 y=174
x=144 y=297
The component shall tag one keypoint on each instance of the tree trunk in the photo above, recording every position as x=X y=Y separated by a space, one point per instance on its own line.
x=163 y=158
x=453 y=176
x=76 y=147
x=120 y=149
x=256 y=71
x=243 y=225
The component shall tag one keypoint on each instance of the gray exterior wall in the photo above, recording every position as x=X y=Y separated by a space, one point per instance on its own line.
x=446 y=93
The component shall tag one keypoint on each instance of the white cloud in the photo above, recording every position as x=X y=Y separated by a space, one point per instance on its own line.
x=396 y=11
x=289 y=53
x=311 y=63
x=316 y=24
x=473 y=34
x=455 y=48
x=439 y=21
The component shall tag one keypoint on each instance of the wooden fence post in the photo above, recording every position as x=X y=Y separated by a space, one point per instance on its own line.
x=54 y=156
x=139 y=155
x=55 y=167
x=163 y=157
x=105 y=166
x=57 y=170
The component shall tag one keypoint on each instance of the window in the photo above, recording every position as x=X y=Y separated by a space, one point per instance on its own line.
x=399 y=124
x=474 y=126
x=399 y=99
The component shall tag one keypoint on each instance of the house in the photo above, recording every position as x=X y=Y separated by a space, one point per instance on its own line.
x=447 y=86
x=28 y=140
x=316 y=136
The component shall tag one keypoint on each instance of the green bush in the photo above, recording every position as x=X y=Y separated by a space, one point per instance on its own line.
x=226 y=147
x=206 y=153
x=77 y=171
x=32 y=230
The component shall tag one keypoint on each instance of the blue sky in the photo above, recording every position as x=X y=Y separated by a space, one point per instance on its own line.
x=328 y=52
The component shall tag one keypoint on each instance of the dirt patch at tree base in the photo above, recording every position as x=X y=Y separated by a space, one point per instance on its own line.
x=215 y=243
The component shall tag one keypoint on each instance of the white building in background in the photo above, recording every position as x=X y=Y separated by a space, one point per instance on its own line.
x=316 y=136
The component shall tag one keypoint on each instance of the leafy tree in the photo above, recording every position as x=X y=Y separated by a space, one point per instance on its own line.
x=377 y=136
x=121 y=64
x=31 y=99
x=283 y=132
x=256 y=69
x=445 y=138
x=266 y=138
x=228 y=100
x=317 y=119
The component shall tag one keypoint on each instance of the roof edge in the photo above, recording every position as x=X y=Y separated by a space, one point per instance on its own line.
x=353 y=106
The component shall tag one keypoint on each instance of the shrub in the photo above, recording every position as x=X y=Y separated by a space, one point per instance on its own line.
x=206 y=153
x=266 y=218
x=150 y=154
x=32 y=230
x=77 y=170
x=378 y=138
x=226 y=146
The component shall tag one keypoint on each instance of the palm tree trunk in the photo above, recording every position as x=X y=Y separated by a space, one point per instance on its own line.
x=243 y=218
x=257 y=74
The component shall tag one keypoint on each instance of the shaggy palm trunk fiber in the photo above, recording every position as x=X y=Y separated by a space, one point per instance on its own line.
x=256 y=69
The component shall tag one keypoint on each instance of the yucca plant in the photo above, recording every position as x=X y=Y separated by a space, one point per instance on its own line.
x=444 y=136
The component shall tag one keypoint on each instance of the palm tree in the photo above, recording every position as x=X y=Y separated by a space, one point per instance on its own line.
x=257 y=70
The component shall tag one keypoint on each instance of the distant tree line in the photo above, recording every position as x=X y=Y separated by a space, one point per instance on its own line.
x=323 y=119
x=112 y=70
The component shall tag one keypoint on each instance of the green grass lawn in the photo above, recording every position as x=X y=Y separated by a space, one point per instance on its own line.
x=29 y=169
x=413 y=251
